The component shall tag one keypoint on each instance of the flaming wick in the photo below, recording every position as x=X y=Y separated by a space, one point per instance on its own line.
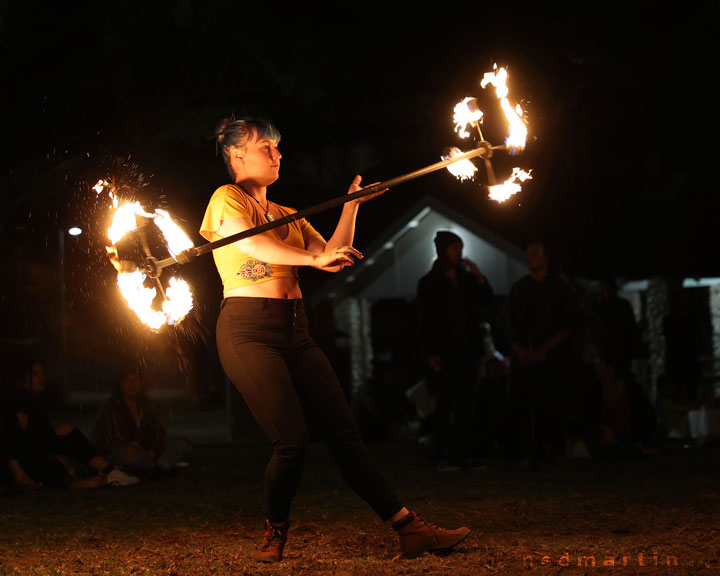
x=517 y=130
x=502 y=192
x=177 y=300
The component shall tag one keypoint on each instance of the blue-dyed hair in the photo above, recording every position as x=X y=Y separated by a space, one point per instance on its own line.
x=232 y=132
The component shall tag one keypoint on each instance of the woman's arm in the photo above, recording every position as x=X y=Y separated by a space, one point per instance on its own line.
x=269 y=249
x=345 y=229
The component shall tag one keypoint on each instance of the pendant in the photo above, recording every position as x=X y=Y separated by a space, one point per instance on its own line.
x=269 y=216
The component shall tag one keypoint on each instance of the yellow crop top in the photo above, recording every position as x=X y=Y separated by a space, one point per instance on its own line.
x=235 y=267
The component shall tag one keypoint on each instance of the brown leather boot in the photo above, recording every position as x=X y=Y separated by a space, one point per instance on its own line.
x=418 y=536
x=273 y=542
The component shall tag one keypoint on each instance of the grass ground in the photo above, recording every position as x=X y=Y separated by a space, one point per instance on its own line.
x=654 y=516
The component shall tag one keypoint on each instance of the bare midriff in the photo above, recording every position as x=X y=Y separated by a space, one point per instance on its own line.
x=283 y=288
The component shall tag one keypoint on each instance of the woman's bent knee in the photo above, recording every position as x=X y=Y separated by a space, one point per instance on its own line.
x=294 y=452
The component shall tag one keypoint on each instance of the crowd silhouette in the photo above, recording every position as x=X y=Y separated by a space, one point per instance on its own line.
x=551 y=372
x=563 y=377
x=40 y=447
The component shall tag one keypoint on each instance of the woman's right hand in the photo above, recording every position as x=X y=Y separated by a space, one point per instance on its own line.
x=355 y=186
x=336 y=259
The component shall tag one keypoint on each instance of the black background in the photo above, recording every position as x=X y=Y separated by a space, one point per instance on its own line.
x=620 y=100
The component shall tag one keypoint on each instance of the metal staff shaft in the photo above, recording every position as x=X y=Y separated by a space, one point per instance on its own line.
x=154 y=267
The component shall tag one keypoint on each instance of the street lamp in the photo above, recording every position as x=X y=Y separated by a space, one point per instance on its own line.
x=73 y=231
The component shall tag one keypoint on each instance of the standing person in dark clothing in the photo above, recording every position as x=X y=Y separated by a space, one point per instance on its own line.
x=683 y=330
x=450 y=301
x=130 y=433
x=620 y=333
x=538 y=317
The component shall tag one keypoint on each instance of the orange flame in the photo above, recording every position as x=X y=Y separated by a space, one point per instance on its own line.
x=466 y=112
x=178 y=299
x=517 y=133
x=176 y=239
x=502 y=192
x=140 y=298
x=103 y=185
x=462 y=169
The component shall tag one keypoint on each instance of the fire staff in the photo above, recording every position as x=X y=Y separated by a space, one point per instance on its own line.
x=264 y=344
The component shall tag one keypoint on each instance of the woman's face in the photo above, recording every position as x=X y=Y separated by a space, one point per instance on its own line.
x=258 y=161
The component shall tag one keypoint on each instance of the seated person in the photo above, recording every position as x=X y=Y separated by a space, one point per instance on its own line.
x=491 y=410
x=672 y=409
x=381 y=408
x=38 y=453
x=620 y=420
x=130 y=433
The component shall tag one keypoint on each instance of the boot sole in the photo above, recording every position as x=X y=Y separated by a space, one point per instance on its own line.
x=420 y=551
x=267 y=560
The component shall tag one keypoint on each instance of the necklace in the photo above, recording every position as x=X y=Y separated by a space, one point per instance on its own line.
x=268 y=215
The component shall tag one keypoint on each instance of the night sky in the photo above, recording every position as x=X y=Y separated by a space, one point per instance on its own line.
x=620 y=99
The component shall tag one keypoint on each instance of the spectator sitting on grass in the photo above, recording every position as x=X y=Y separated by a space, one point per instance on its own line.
x=38 y=453
x=620 y=421
x=381 y=408
x=129 y=431
x=491 y=409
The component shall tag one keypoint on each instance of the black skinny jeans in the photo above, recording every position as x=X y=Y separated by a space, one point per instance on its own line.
x=283 y=376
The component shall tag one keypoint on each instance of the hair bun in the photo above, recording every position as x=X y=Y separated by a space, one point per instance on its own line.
x=221 y=127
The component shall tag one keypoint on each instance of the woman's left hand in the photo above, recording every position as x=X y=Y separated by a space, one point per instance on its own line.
x=336 y=259
x=355 y=186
